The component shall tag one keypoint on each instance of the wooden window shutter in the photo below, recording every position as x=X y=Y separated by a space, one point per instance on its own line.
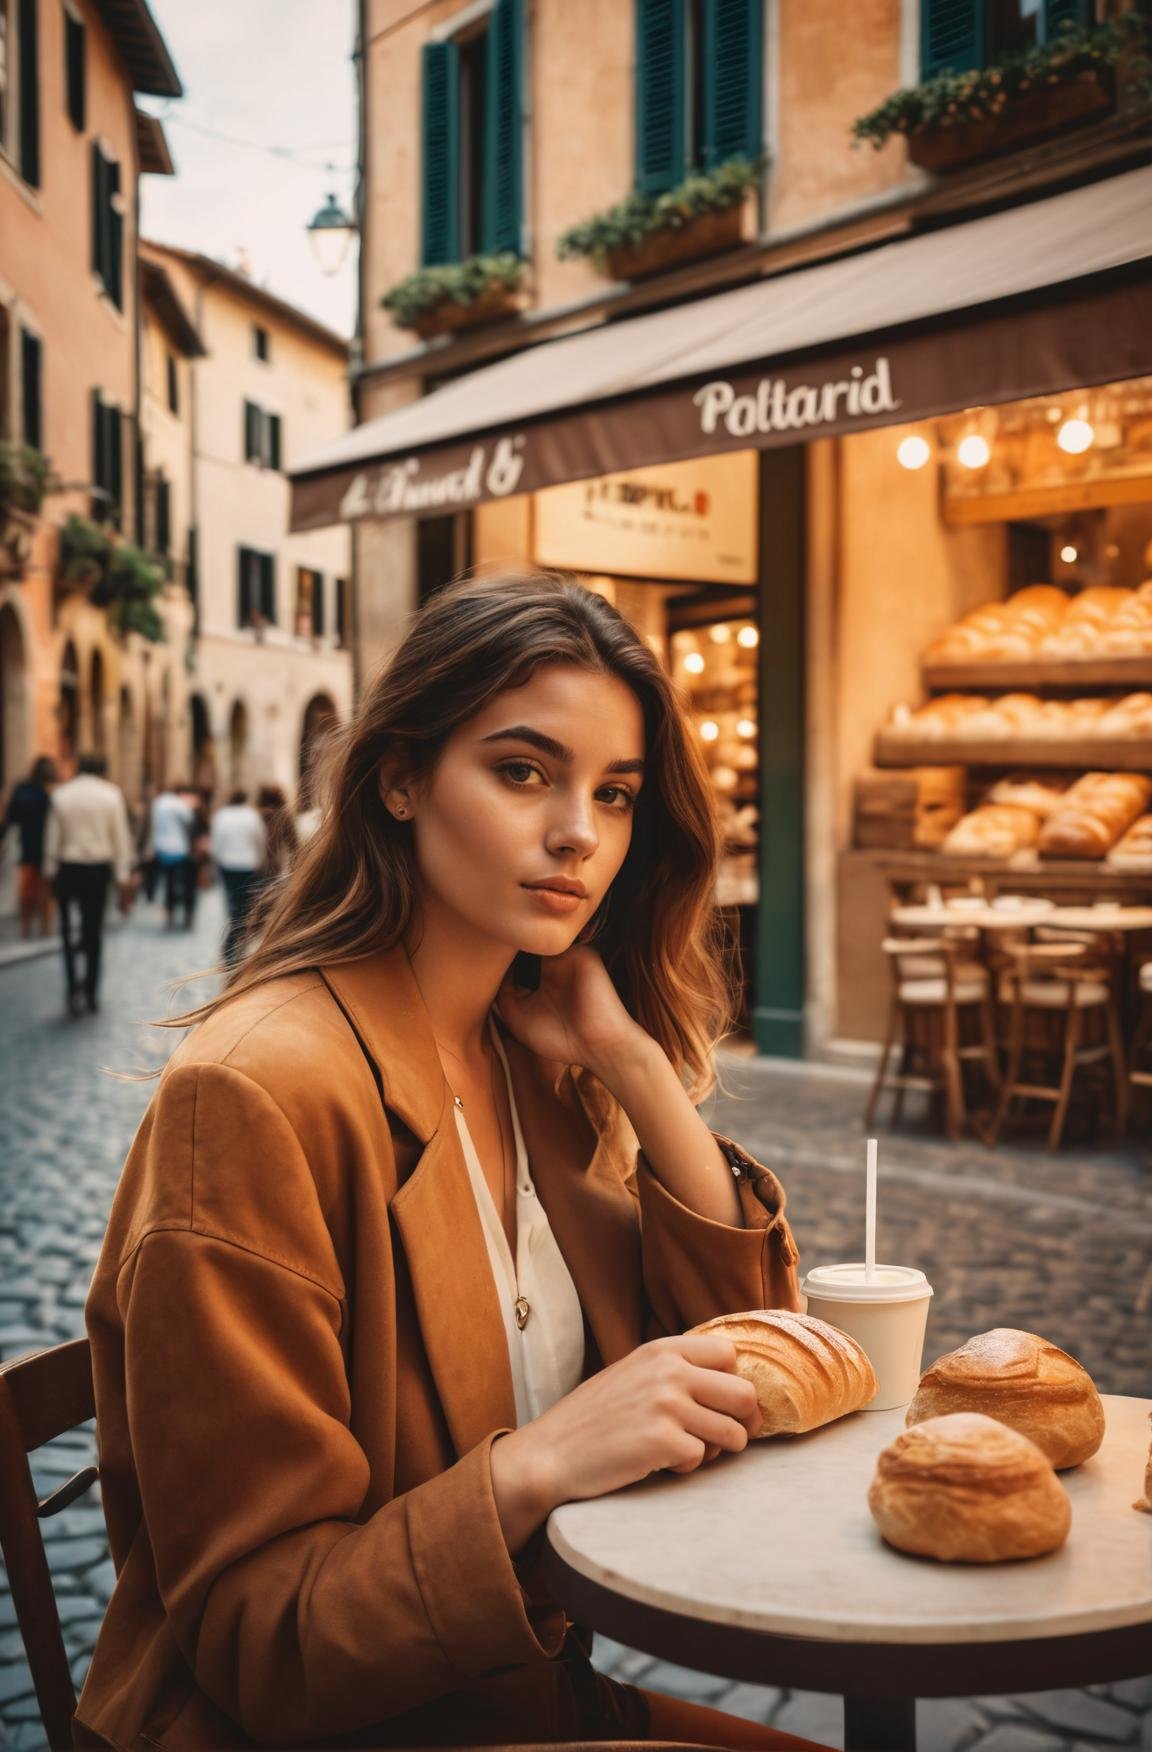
x=99 y=468
x=318 y=603
x=163 y=516
x=74 y=70
x=659 y=95
x=504 y=129
x=1060 y=13
x=97 y=203
x=173 y=386
x=31 y=360
x=244 y=603
x=115 y=223
x=114 y=444
x=252 y=425
x=951 y=36
x=340 y=611
x=268 y=587
x=733 y=80
x=440 y=154
x=29 y=50
x=272 y=448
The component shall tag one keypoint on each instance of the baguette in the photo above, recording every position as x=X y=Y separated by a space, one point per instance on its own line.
x=805 y=1372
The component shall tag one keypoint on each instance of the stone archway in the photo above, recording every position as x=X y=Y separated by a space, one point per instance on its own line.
x=68 y=709
x=202 y=745
x=15 y=755
x=127 y=748
x=320 y=720
x=238 y=746
x=97 y=705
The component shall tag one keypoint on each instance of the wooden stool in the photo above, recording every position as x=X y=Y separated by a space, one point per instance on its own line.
x=933 y=981
x=1074 y=980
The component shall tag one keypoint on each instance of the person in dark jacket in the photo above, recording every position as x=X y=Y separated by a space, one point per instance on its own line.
x=27 y=811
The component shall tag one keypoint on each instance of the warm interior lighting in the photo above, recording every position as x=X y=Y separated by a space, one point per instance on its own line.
x=973 y=451
x=913 y=452
x=709 y=730
x=694 y=663
x=746 y=727
x=749 y=637
x=1075 y=437
x=1068 y=553
x=720 y=634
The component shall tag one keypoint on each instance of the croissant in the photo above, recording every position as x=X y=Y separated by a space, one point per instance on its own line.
x=805 y=1372
x=1022 y=1381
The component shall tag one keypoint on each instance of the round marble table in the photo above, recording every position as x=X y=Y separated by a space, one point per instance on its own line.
x=767 y=1566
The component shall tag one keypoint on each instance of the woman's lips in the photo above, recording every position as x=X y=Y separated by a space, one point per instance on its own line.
x=554 y=900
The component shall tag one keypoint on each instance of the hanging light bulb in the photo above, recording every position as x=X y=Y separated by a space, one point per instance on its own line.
x=720 y=634
x=1069 y=554
x=694 y=663
x=1075 y=436
x=709 y=730
x=749 y=637
x=746 y=727
x=973 y=451
x=913 y=452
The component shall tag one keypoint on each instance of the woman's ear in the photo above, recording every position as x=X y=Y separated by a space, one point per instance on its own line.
x=396 y=792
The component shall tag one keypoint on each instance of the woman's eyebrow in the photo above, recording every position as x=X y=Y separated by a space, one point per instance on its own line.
x=558 y=750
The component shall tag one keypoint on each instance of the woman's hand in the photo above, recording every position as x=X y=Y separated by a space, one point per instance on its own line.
x=667 y=1406
x=576 y=1017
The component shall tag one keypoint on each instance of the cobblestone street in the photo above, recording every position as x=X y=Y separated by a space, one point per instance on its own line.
x=1062 y=1246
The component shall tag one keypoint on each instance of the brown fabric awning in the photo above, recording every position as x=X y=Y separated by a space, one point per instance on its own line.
x=1029 y=301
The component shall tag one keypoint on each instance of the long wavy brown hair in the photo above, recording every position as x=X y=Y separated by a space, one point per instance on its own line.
x=353 y=888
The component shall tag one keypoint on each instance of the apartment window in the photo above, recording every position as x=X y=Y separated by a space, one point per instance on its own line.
x=260 y=344
x=107 y=460
x=31 y=372
x=107 y=225
x=256 y=588
x=309 y=602
x=261 y=436
x=163 y=501
x=173 y=386
x=75 y=45
x=340 y=610
x=20 y=86
x=699 y=87
x=472 y=192
x=957 y=35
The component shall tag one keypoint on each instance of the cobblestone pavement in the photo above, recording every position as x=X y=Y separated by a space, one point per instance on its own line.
x=1060 y=1245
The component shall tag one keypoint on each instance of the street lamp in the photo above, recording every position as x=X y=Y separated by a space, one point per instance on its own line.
x=330 y=233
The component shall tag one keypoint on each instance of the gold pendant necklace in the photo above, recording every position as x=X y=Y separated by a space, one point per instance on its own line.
x=520 y=1307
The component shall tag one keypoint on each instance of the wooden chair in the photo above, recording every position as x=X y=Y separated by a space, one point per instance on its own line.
x=934 y=982
x=1140 y=1071
x=1070 y=980
x=41 y=1397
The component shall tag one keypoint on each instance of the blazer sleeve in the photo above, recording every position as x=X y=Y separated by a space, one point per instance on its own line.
x=695 y=1268
x=299 y=1618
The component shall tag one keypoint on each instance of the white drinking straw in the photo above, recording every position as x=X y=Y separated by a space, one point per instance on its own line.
x=870 y=1216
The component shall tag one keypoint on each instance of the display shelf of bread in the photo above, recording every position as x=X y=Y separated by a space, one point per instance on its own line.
x=1042 y=636
x=1011 y=728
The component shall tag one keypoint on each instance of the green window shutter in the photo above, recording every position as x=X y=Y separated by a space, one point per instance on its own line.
x=31 y=359
x=1060 y=13
x=244 y=604
x=318 y=604
x=341 y=612
x=659 y=95
x=96 y=209
x=115 y=223
x=440 y=155
x=252 y=424
x=503 y=120
x=733 y=79
x=99 y=471
x=74 y=69
x=951 y=36
x=163 y=516
x=272 y=449
x=30 y=92
x=114 y=449
x=268 y=587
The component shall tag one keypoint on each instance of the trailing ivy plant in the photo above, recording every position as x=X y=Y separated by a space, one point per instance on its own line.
x=452 y=283
x=85 y=550
x=128 y=590
x=25 y=479
x=1077 y=52
x=639 y=216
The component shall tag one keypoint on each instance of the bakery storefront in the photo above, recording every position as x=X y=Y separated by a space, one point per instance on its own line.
x=820 y=498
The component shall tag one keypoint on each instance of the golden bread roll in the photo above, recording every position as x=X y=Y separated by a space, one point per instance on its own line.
x=1134 y=850
x=995 y=830
x=1022 y=1381
x=1098 y=603
x=805 y=1372
x=1044 y=600
x=1096 y=810
x=1146 y=1503
x=1036 y=795
x=967 y=1489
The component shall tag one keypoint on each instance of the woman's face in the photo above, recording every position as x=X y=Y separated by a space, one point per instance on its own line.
x=528 y=815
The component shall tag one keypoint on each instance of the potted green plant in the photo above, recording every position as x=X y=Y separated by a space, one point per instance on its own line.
x=128 y=590
x=457 y=295
x=647 y=234
x=25 y=479
x=85 y=552
x=957 y=119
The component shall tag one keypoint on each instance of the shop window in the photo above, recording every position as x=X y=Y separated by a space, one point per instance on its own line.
x=107 y=225
x=309 y=602
x=75 y=57
x=471 y=140
x=260 y=344
x=256 y=588
x=31 y=372
x=699 y=87
x=173 y=386
x=261 y=436
x=959 y=34
x=107 y=460
x=20 y=87
x=443 y=551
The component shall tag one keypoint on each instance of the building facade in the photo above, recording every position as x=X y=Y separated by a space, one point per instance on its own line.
x=793 y=583
x=75 y=672
x=271 y=666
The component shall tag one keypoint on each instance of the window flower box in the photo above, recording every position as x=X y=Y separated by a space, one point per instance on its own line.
x=457 y=295
x=705 y=234
x=647 y=234
x=1032 y=116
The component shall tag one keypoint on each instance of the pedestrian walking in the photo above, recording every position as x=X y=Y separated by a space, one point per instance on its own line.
x=239 y=847
x=27 y=812
x=87 y=846
x=173 y=822
x=331 y=1310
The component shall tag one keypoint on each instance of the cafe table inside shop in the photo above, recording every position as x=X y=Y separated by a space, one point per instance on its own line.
x=766 y=1566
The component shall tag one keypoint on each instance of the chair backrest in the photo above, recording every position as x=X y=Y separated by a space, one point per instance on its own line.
x=41 y=1396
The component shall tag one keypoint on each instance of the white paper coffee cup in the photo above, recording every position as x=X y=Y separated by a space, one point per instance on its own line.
x=886 y=1317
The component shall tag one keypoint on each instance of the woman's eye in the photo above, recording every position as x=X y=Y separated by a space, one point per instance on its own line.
x=520 y=772
x=620 y=796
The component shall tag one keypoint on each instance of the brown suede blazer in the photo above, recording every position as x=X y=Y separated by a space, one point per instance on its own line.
x=300 y=1368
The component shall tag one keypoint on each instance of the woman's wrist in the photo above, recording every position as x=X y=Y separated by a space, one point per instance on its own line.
x=523 y=1486
x=626 y=1062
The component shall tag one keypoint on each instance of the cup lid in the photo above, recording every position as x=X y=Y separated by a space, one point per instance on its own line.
x=845 y=1283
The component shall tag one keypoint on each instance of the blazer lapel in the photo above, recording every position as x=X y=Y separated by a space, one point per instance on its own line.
x=434 y=1210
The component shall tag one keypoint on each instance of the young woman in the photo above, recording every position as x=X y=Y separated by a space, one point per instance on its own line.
x=387 y=1276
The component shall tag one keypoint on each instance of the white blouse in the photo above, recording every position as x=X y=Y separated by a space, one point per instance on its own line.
x=547 y=1352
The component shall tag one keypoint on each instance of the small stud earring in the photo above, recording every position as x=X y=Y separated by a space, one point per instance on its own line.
x=401 y=810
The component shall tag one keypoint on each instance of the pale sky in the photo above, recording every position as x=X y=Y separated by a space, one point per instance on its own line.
x=267 y=74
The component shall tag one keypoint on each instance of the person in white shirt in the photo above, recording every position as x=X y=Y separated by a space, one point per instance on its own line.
x=87 y=844
x=239 y=848
x=172 y=820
